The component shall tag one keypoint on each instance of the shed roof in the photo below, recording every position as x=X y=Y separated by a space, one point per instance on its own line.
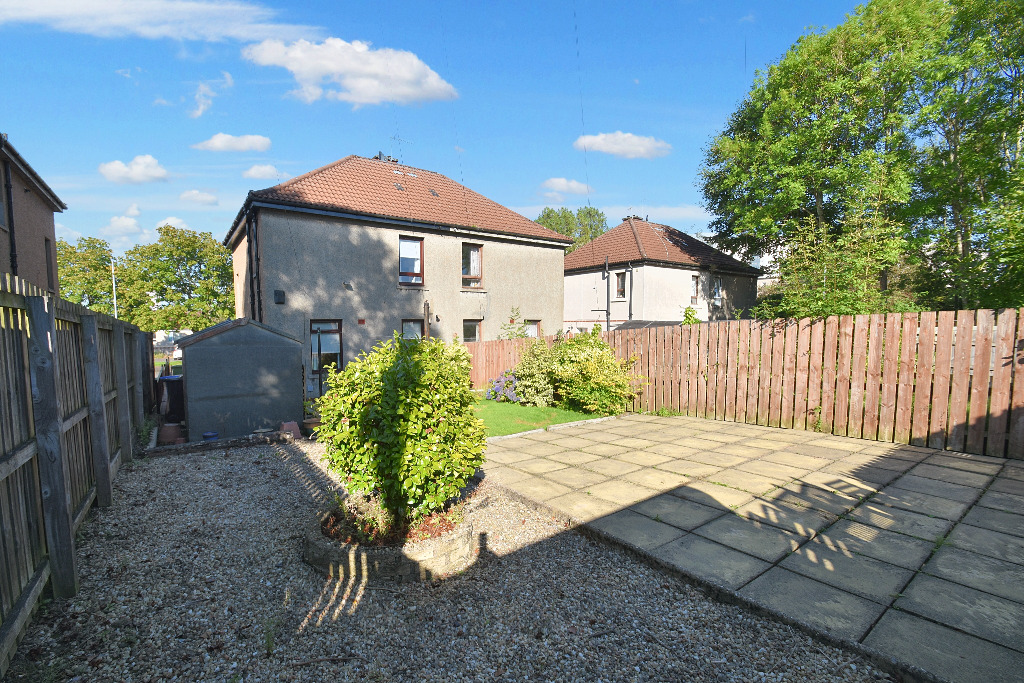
x=223 y=327
x=638 y=241
x=386 y=189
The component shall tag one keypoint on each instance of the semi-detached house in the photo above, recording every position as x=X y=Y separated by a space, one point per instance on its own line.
x=348 y=254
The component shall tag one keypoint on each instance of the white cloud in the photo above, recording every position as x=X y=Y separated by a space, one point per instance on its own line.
x=161 y=102
x=748 y=19
x=132 y=210
x=625 y=145
x=207 y=90
x=363 y=75
x=142 y=169
x=173 y=220
x=669 y=215
x=209 y=20
x=121 y=226
x=263 y=171
x=65 y=233
x=222 y=142
x=198 y=197
x=564 y=185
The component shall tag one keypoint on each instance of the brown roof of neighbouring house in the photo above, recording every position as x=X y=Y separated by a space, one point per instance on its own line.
x=387 y=189
x=638 y=241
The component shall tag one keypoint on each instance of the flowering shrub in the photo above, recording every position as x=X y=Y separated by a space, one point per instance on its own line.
x=533 y=376
x=503 y=388
x=589 y=378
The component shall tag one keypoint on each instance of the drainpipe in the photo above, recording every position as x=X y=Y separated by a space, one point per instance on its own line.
x=607 y=297
x=9 y=192
x=629 y=269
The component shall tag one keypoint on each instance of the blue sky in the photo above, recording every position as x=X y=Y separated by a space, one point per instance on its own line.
x=140 y=112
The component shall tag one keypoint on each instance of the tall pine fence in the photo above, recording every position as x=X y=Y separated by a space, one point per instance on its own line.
x=948 y=380
x=73 y=384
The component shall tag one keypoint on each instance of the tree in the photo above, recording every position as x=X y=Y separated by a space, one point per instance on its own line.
x=184 y=280
x=85 y=276
x=583 y=226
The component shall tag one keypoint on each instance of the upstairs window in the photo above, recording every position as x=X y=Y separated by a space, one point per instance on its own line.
x=620 y=285
x=472 y=270
x=410 y=260
x=694 y=288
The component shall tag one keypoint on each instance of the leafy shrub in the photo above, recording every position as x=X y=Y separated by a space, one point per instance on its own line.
x=503 y=388
x=398 y=422
x=534 y=385
x=589 y=378
x=690 y=316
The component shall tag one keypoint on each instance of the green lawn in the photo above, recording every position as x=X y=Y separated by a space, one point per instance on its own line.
x=510 y=418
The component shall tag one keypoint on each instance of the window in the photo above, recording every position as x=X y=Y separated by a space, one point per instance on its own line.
x=694 y=288
x=410 y=260
x=716 y=293
x=412 y=329
x=470 y=330
x=472 y=258
x=324 y=350
x=620 y=285
x=532 y=328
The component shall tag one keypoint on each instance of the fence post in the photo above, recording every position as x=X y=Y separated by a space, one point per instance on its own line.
x=124 y=427
x=97 y=411
x=56 y=497
x=139 y=338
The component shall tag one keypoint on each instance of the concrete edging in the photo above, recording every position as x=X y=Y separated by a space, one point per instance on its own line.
x=220 y=444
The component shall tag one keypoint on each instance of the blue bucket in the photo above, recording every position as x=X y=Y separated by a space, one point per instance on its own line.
x=209 y=436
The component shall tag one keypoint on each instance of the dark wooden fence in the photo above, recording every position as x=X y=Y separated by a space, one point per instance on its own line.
x=72 y=386
x=950 y=380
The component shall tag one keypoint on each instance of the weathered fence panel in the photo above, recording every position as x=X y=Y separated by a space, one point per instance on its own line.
x=950 y=380
x=60 y=413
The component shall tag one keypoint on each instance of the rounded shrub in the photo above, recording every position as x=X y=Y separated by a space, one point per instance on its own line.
x=398 y=423
x=588 y=377
x=533 y=375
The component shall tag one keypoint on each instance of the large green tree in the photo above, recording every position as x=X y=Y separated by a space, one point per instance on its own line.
x=85 y=273
x=182 y=281
x=583 y=226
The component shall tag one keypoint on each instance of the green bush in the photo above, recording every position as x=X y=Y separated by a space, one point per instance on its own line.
x=533 y=376
x=398 y=422
x=589 y=378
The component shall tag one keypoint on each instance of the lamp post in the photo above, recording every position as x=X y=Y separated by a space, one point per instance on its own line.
x=113 y=281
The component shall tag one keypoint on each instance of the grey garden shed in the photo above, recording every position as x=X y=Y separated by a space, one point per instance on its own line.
x=240 y=375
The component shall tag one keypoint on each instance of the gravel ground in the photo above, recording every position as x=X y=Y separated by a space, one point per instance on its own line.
x=195 y=574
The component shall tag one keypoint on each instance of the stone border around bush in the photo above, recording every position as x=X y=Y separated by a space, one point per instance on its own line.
x=433 y=558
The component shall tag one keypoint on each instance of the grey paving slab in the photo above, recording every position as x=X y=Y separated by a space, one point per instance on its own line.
x=867 y=577
x=1007 y=485
x=572 y=441
x=717 y=459
x=876 y=476
x=610 y=467
x=885 y=462
x=840 y=443
x=1007 y=502
x=622 y=492
x=672 y=450
x=633 y=442
x=749 y=536
x=713 y=495
x=684 y=514
x=742 y=450
x=710 y=561
x=935 y=487
x=637 y=530
x=999 y=577
x=722 y=436
x=772 y=469
x=573 y=457
x=605 y=449
x=583 y=507
x=756 y=484
x=765 y=442
x=575 y=477
x=541 y=448
x=1013 y=472
x=818 y=451
x=856 y=538
x=507 y=457
x=689 y=468
x=659 y=480
x=503 y=476
x=536 y=488
x=802 y=495
x=949 y=654
x=980 y=614
x=902 y=521
x=843 y=614
x=987 y=542
x=804 y=522
x=538 y=465
x=997 y=520
x=971 y=463
x=932 y=506
x=952 y=475
x=797 y=460
x=642 y=458
x=843 y=484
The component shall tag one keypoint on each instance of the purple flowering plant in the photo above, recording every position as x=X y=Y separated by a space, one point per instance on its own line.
x=503 y=388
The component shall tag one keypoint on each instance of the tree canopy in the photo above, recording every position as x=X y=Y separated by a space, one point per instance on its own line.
x=182 y=281
x=583 y=226
x=903 y=124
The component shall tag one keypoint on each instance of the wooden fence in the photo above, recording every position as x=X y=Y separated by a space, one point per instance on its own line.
x=72 y=386
x=949 y=380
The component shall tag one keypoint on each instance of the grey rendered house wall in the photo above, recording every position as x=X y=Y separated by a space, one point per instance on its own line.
x=242 y=379
x=338 y=269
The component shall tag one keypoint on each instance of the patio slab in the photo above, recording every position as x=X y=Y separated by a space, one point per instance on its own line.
x=915 y=553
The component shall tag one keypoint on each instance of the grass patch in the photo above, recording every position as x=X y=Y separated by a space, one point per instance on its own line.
x=511 y=418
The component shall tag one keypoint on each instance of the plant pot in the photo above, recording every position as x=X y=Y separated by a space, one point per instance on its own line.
x=310 y=424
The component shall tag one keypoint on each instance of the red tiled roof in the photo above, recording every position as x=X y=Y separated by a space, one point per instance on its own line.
x=638 y=241
x=390 y=190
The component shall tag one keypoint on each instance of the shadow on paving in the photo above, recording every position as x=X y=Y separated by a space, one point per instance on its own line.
x=895 y=551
